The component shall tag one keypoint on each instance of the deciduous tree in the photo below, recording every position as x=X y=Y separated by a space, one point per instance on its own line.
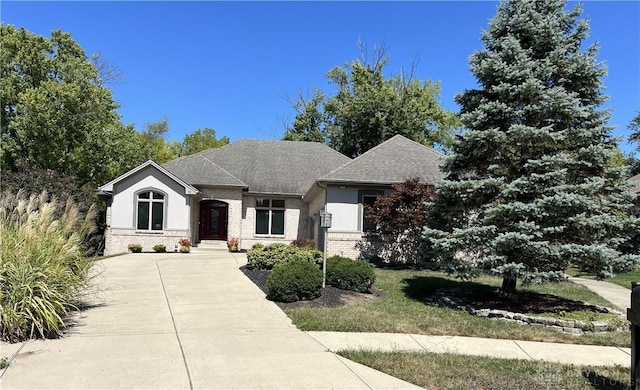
x=56 y=114
x=399 y=218
x=370 y=108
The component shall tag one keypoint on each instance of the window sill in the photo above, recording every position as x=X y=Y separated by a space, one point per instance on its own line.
x=268 y=236
x=150 y=232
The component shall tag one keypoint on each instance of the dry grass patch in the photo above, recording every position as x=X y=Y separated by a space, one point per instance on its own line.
x=450 y=371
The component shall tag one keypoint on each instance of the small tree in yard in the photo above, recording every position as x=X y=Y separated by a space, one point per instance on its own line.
x=399 y=218
x=529 y=188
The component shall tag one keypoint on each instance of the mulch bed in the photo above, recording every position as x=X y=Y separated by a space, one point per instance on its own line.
x=521 y=302
x=331 y=296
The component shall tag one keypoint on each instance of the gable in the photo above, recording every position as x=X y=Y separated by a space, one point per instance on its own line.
x=152 y=169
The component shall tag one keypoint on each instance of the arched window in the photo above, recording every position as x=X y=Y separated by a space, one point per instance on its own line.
x=150 y=214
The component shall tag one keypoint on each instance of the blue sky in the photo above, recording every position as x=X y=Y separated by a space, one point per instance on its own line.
x=230 y=65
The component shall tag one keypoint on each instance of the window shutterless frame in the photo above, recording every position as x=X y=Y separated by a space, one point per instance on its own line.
x=270 y=216
x=150 y=206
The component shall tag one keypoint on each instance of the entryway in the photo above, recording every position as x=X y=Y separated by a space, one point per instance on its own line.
x=213 y=220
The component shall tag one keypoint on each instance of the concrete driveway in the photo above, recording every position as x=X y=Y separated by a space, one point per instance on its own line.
x=182 y=321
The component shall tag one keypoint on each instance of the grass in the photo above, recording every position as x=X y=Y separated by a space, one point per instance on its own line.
x=450 y=371
x=43 y=264
x=623 y=280
x=403 y=310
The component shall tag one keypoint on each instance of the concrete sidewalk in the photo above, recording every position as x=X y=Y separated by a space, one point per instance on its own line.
x=506 y=349
x=183 y=321
x=618 y=295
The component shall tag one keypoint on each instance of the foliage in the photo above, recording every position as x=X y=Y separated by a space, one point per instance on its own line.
x=184 y=242
x=400 y=218
x=56 y=112
x=43 y=264
x=349 y=274
x=529 y=188
x=310 y=122
x=135 y=248
x=266 y=257
x=368 y=109
x=185 y=249
x=158 y=248
x=294 y=281
x=304 y=243
x=199 y=140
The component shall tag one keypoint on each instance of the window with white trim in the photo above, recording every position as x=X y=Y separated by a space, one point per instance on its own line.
x=150 y=213
x=270 y=216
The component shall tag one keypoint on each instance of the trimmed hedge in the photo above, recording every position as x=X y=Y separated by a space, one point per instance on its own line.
x=349 y=274
x=294 y=281
x=266 y=257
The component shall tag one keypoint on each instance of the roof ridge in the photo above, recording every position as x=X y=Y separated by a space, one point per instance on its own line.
x=224 y=170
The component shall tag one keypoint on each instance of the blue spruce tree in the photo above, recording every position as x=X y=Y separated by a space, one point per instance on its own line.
x=529 y=189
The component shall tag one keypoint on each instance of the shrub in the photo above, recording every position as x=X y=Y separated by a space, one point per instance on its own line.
x=294 y=281
x=43 y=267
x=266 y=257
x=304 y=243
x=185 y=249
x=184 y=242
x=348 y=274
x=134 y=248
x=159 y=248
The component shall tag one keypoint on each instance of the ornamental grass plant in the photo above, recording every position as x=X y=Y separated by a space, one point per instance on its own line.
x=43 y=263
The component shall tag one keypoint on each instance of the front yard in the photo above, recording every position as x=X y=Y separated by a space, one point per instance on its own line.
x=404 y=309
x=449 y=371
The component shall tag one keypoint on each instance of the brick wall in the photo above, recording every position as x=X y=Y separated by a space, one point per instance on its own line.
x=343 y=244
x=117 y=240
x=295 y=225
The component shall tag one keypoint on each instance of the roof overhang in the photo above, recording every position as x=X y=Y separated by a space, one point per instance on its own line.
x=107 y=189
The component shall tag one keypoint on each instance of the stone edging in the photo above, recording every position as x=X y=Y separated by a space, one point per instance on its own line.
x=571 y=326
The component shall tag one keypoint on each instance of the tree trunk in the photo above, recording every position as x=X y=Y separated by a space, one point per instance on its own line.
x=508 y=285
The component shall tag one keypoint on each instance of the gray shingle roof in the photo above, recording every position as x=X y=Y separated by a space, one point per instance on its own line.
x=635 y=183
x=393 y=161
x=279 y=167
x=198 y=170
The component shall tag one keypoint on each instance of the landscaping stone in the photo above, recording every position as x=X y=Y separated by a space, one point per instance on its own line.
x=441 y=298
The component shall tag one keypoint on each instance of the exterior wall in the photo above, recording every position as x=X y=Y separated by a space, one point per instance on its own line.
x=346 y=227
x=123 y=203
x=117 y=240
x=316 y=203
x=344 y=244
x=232 y=197
x=296 y=225
x=121 y=213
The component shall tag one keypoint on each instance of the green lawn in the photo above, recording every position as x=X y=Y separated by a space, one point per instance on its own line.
x=403 y=311
x=450 y=371
x=623 y=280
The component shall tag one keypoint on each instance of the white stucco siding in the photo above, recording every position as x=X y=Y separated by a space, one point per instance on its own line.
x=343 y=205
x=123 y=206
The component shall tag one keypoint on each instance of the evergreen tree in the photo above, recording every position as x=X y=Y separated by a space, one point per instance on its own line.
x=529 y=189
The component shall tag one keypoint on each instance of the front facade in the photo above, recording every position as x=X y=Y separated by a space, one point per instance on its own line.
x=259 y=192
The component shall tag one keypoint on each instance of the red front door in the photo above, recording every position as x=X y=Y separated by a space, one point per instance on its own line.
x=213 y=221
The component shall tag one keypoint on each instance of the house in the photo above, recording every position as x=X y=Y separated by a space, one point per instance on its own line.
x=259 y=191
x=634 y=181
